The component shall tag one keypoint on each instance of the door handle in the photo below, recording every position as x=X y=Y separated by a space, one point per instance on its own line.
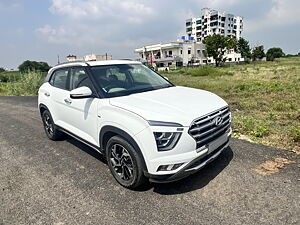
x=47 y=94
x=68 y=101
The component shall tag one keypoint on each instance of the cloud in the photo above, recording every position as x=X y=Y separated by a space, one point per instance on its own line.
x=132 y=11
x=282 y=12
x=221 y=3
x=120 y=26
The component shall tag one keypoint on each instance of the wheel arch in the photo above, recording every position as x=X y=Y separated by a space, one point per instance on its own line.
x=107 y=132
x=42 y=108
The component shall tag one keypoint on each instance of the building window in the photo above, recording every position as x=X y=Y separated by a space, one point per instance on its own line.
x=189 y=51
x=170 y=53
x=181 y=52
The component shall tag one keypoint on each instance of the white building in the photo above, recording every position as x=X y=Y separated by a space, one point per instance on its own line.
x=94 y=57
x=177 y=53
x=214 y=22
x=180 y=53
x=91 y=57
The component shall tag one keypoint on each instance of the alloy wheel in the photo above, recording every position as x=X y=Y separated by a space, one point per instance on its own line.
x=48 y=124
x=121 y=162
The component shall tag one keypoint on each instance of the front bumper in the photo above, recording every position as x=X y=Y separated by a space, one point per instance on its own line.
x=192 y=167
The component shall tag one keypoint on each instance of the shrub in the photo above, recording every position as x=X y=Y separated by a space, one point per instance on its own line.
x=9 y=76
x=260 y=130
x=295 y=134
x=28 y=84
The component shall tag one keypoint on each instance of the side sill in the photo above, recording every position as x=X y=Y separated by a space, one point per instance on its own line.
x=98 y=149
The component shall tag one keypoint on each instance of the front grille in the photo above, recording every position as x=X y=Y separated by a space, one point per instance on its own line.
x=204 y=129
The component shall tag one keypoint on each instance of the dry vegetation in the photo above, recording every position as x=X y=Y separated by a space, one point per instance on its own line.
x=264 y=98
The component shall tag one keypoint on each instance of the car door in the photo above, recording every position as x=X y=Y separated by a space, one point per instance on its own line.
x=58 y=94
x=82 y=113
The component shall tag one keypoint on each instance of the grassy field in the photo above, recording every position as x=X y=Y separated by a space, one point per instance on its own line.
x=18 y=84
x=264 y=97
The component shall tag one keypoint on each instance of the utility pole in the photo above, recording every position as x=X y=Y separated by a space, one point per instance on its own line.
x=58 y=59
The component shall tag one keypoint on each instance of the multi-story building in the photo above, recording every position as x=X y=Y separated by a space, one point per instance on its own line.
x=214 y=22
x=177 y=53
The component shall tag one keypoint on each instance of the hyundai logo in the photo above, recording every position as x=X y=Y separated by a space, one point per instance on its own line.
x=218 y=121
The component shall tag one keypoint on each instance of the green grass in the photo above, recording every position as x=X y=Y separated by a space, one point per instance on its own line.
x=264 y=97
x=22 y=84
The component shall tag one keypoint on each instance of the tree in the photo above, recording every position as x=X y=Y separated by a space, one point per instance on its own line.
x=217 y=45
x=2 y=69
x=274 y=53
x=243 y=47
x=258 y=52
x=33 y=65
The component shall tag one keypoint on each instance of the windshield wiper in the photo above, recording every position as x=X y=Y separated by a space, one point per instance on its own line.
x=164 y=86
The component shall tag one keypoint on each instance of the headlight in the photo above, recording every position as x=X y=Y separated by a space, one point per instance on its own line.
x=166 y=140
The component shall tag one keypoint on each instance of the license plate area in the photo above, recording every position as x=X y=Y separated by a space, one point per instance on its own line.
x=217 y=143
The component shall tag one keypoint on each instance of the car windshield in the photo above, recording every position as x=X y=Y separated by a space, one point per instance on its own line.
x=126 y=79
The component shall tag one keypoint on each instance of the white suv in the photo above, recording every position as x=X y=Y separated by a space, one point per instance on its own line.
x=146 y=127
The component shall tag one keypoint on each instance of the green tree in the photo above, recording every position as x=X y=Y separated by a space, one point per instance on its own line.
x=274 y=53
x=258 y=52
x=243 y=47
x=2 y=69
x=217 y=45
x=33 y=65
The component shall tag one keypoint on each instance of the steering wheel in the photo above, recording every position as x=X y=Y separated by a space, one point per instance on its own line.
x=77 y=85
x=110 y=86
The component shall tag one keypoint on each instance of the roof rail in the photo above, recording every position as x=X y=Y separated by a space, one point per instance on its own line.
x=75 y=61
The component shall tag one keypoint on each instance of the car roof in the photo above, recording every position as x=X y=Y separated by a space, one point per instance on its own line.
x=95 y=63
x=90 y=63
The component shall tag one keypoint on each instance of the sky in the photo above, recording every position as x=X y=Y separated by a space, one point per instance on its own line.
x=41 y=30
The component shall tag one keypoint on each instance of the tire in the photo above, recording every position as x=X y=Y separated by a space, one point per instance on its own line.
x=124 y=162
x=50 y=128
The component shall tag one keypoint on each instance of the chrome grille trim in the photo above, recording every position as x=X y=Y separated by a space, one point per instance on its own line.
x=204 y=130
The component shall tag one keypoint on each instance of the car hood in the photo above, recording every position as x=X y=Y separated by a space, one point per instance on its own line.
x=174 y=104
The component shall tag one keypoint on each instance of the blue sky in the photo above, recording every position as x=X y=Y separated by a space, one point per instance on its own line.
x=42 y=29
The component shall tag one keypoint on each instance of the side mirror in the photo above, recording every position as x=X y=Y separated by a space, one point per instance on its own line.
x=166 y=78
x=82 y=92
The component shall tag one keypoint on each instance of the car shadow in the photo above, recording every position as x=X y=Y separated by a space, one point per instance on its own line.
x=198 y=180
x=86 y=148
x=193 y=182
